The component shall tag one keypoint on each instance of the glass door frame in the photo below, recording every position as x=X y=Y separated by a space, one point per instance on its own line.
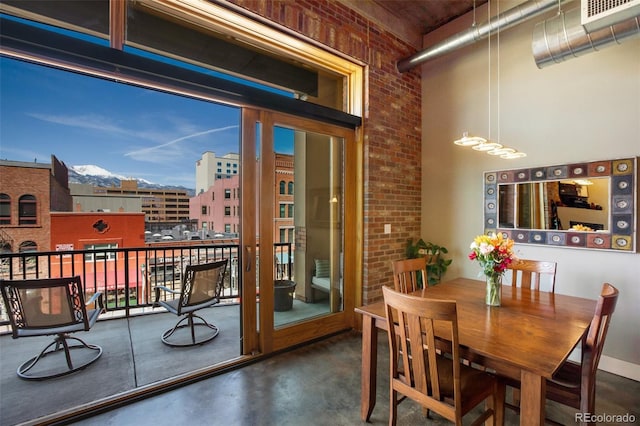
x=260 y=334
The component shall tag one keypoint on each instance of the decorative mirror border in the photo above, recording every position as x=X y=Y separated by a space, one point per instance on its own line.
x=623 y=220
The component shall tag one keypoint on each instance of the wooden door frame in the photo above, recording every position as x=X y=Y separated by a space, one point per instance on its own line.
x=258 y=325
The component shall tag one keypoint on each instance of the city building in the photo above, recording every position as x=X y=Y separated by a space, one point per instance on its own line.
x=210 y=167
x=28 y=193
x=163 y=208
x=216 y=210
x=101 y=231
x=88 y=198
x=284 y=205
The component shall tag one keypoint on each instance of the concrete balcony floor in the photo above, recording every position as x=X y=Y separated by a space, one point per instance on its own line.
x=133 y=357
x=318 y=384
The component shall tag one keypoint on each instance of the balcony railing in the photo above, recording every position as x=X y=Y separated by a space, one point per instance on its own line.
x=126 y=276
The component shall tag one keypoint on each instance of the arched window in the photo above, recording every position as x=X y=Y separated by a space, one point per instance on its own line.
x=28 y=263
x=27 y=246
x=5 y=248
x=290 y=188
x=27 y=210
x=5 y=209
x=282 y=187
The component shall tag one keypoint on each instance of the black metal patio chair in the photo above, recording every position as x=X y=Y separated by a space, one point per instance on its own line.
x=52 y=306
x=201 y=288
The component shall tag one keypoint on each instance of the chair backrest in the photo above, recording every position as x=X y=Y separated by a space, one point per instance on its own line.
x=594 y=342
x=406 y=273
x=413 y=346
x=202 y=283
x=529 y=273
x=41 y=304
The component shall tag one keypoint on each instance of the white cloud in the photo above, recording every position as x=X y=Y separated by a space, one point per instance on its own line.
x=160 y=153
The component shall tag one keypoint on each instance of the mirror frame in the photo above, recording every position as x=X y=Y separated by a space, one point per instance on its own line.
x=623 y=201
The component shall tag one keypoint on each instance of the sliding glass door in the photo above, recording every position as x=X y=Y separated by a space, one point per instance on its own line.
x=294 y=232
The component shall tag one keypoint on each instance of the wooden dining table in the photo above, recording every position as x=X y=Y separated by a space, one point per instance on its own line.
x=528 y=337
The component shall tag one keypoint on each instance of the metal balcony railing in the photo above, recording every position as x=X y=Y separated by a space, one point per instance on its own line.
x=126 y=276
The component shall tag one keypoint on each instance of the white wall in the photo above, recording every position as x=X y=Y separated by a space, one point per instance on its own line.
x=585 y=109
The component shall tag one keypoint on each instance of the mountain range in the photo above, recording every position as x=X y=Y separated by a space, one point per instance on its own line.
x=97 y=176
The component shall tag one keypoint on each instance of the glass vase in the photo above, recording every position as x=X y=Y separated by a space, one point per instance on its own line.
x=494 y=289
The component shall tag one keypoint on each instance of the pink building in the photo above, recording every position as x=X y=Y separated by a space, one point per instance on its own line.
x=217 y=209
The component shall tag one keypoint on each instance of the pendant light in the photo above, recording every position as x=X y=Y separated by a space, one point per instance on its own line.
x=478 y=143
x=467 y=140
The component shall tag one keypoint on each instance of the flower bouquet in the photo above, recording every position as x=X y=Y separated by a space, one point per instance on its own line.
x=495 y=254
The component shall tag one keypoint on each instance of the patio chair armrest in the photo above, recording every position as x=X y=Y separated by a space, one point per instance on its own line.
x=157 y=289
x=96 y=297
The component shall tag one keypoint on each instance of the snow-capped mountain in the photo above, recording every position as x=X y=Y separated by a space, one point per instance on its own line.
x=97 y=176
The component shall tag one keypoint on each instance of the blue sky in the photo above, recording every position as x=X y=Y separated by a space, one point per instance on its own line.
x=127 y=130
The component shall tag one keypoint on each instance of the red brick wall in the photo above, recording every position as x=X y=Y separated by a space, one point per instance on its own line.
x=392 y=129
x=18 y=181
x=72 y=231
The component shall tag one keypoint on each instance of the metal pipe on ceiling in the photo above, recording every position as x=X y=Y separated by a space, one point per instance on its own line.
x=564 y=37
x=507 y=19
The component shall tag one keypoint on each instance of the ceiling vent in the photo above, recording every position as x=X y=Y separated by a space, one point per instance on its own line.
x=598 y=14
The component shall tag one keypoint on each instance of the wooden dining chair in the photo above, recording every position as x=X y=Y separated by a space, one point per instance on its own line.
x=574 y=384
x=437 y=382
x=409 y=274
x=528 y=273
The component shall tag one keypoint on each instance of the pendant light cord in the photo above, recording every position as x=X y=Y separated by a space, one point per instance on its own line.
x=498 y=59
x=489 y=72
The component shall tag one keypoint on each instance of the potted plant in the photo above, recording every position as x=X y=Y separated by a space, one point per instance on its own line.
x=437 y=265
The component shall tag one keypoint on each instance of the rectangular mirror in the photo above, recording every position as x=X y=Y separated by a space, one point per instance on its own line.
x=586 y=205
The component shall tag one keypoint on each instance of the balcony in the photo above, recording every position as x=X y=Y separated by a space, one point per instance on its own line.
x=134 y=358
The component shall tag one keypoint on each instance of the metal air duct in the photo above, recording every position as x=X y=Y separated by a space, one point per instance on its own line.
x=563 y=37
x=504 y=20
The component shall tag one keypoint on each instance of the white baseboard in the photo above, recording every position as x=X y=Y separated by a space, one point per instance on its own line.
x=620 y=368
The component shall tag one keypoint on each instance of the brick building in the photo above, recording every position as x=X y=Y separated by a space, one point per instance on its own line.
x=98 y=231
x=216 y=210
x=28 y=193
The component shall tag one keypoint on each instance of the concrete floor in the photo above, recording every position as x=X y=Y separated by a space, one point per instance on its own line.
x=133 y=358
x=318 y=384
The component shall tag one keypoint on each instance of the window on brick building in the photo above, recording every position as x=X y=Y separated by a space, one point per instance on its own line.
x=27 y=246
x=290 y=208
x=5 y=209
x=100 y=255
x=227 y=210
x=204 y=210
x=290 y=188
x=27 y=210
x=282 y=186
x=283 y=210
x=227 y=194
x=29 y=261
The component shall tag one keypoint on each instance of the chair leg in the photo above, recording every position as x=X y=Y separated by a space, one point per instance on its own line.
x=191 y=324
x=498 y=403
x=59 y=344
x=393 y=407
